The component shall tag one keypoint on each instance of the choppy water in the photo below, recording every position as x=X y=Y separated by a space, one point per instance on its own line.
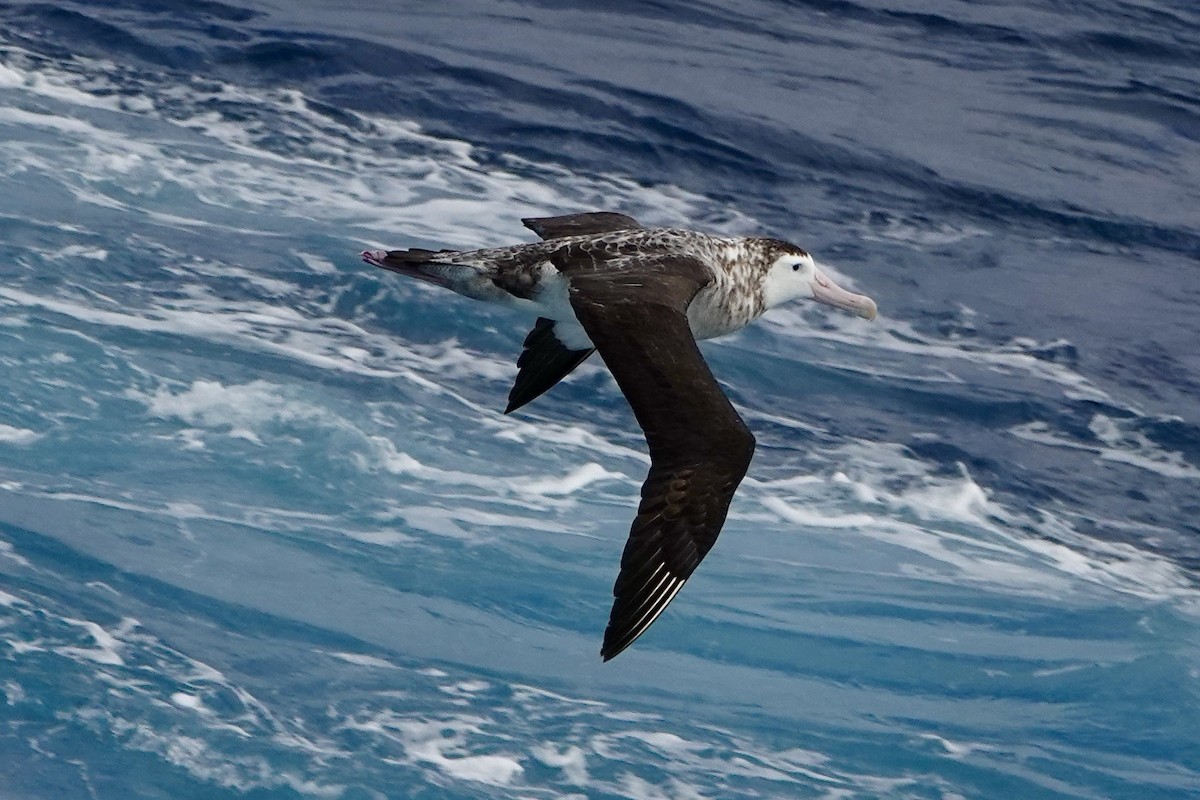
x=264 y=533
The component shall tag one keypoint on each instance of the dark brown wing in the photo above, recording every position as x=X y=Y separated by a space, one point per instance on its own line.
x=544 y=362
x=699 y=447
x=579 y=224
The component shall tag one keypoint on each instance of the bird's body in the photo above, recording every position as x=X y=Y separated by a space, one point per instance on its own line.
x=642 y=297
x=524 y=276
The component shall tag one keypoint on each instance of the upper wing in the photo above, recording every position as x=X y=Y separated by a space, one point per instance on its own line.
x=544 y=362
x=699 y=447
x=579 y=224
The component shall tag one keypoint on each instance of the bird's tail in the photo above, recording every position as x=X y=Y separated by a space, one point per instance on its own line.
x=415 y=263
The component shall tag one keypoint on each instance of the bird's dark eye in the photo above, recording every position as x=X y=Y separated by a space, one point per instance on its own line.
x=795 y=267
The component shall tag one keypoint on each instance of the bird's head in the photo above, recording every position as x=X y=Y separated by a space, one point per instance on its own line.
x=794 y=275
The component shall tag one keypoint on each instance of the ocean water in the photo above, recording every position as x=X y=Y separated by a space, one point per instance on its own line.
x=264 y=532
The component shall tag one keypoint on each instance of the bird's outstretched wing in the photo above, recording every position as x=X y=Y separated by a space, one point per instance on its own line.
x=590 y=222
x=635 y=313
x=544 y=362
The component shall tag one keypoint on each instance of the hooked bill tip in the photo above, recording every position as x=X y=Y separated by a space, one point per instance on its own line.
x=826 y=291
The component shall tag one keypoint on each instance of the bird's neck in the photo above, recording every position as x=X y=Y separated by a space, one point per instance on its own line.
x=733 y=300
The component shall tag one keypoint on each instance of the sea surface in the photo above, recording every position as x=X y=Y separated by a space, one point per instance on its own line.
x=264 y=532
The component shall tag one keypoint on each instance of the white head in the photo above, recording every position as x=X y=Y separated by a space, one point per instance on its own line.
x=794 y=275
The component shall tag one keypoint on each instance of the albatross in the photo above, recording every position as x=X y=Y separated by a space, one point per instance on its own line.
x=642 y=297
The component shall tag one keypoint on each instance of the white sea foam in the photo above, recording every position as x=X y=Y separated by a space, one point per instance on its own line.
x=570 y=483
x=185 y=700
x=432 y=672
x=394 y=178
x=962 y=535
x=363 y=660
x=955 y=749
x=316 y=263
x=397 y=462
x=809 y=518
x=963 y=500
x=466 y=687
x=463 y=522
x=83 y=251
x=921 y=235
x=108 y=645
x=282 y=331
x=894 y=349
x=7 y=551
x=12 y=435
x=571 y=760
x=442 y=743
x=240 y=409
x=1135 y=449
x=257 y=517
x=1116 y=444
x=52 y=84
x=14 y=693
x=466 y=742
x=200 y=759
x=697 y=757
x=10 y=78
x=566 y=435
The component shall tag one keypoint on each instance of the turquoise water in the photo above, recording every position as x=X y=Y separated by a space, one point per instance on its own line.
x=264 y=532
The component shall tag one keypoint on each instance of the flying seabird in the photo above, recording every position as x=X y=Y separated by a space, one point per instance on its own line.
x=642 y=297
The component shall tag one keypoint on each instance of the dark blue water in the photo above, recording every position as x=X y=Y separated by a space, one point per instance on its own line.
x=264 y=532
